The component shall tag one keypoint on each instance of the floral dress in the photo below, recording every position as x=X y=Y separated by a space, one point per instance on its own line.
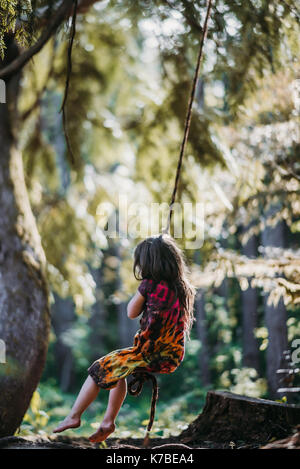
x=158 y=345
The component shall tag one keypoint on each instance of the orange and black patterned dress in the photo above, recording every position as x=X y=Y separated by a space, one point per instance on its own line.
x=158 y=345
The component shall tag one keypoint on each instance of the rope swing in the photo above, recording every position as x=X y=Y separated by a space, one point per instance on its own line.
x=135 y=386
x=140 y=376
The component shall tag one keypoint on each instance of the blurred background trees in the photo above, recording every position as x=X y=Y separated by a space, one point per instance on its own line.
x=132 y=66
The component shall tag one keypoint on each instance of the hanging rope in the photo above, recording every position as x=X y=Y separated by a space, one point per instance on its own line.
x=69 y=71
x=135 y=386
x=188 y=116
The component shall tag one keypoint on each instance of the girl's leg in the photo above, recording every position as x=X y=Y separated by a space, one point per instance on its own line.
x=86 y=396
x=115 y=401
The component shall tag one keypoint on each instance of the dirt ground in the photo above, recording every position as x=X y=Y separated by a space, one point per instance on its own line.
x=65 y=442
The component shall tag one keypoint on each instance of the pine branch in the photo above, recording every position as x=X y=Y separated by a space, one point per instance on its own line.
x=189 y=18
x=264 y=194
x=53 y=25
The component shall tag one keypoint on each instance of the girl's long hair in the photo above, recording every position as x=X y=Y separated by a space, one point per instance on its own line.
x=159 y=258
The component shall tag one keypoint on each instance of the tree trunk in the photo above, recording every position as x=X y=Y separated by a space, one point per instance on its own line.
x=24 y=308
x=63 y=317
x=202 y=337
x=98 y=320
x=230 y=417
x=249 y=311
x=126 y=327
x=275 y=316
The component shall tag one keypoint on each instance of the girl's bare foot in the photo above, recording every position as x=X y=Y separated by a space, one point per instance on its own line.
x=68 y=422
x=103 y=432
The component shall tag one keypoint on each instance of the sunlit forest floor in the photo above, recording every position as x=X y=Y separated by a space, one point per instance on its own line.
x=75 y=442
x=51 y=405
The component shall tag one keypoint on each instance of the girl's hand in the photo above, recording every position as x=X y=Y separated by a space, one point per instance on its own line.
x=135 y=305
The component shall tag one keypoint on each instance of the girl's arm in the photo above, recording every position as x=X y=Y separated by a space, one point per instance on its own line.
x=135 y=305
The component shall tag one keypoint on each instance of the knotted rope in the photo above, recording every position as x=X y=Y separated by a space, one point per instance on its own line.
x=135 y=386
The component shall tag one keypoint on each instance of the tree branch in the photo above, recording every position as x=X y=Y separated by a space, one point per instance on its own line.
x=69 y=71
x=191 y=21
x=263 y=194
x=53 y=24
x=61 y=14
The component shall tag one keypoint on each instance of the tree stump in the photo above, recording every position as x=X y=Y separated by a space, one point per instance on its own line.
x=230 y=417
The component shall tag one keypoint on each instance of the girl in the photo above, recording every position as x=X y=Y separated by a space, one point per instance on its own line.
x=165 y=297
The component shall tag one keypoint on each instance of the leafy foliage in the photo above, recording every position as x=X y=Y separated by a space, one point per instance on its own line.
x=16 y=17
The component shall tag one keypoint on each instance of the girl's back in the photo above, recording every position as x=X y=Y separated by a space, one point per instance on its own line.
x=161 y=336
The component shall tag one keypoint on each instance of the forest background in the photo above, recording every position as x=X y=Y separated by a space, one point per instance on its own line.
x=132 y=67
